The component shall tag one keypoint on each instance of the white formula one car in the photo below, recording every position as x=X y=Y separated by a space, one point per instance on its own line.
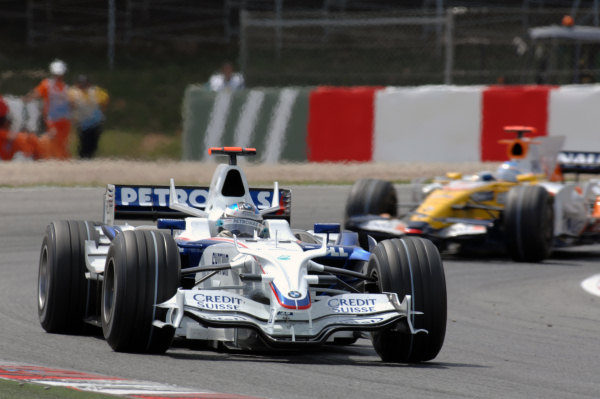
x=226 y=267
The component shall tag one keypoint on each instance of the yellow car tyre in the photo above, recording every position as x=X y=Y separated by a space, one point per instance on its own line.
x=411 y=266
x=372 y=197
x=529 y=223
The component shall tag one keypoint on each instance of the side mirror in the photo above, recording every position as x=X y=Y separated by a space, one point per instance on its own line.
x=327 y=228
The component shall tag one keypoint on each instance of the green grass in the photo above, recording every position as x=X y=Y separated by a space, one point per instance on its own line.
x=14 y=389
x=127 y=144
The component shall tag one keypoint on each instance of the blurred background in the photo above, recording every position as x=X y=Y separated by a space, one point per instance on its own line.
x=146 y=52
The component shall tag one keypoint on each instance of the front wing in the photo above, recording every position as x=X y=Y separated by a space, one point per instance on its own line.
x=381 y=228
x=215 y=308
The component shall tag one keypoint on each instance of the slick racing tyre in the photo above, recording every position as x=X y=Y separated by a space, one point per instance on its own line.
x=371 y=197
x=142 y=270
x=411 y=266
x=65 y=296
x=529 y=223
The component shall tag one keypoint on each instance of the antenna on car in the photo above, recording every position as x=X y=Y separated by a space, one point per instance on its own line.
x=520 y=130
x=233 y=152
x=519 y=147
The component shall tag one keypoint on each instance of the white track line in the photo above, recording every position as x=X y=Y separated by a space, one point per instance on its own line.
x=592 y=285
x=98 y=383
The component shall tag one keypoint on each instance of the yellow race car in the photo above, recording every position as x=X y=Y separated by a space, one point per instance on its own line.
x=524 y=206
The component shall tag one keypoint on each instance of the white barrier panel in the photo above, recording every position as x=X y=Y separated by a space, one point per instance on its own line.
x=428 y=123
x=23 y=116
x=574 y=112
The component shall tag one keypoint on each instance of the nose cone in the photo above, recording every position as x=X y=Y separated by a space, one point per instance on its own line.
x=416 y=228
x=292 y=299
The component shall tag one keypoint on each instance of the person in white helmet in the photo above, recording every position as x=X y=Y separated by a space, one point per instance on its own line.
x=57 y=110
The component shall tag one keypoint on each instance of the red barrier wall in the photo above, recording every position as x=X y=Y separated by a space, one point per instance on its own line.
x=511 y=105
x=340 y=126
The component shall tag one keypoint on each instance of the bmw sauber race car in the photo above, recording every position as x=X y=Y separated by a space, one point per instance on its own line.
x=525 y=206
x=223 y=265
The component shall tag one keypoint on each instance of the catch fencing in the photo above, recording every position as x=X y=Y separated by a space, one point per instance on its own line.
x=458 y=46
x=366 y=43
x=363 y=48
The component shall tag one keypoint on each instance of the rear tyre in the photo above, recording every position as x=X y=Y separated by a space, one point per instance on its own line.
x=529 y=223
x=65 y=296
x=371 y=197
x=411 y=266
x=142 y=270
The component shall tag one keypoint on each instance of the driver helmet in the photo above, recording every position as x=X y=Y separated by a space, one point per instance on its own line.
x=241 y=219
x=508 y=171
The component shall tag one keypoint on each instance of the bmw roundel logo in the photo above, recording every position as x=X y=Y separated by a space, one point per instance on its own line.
x=294 y=294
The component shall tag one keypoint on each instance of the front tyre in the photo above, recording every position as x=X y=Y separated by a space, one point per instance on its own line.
x=411 y=266
x=529 y=223
x=65 y=296
x=142 y=270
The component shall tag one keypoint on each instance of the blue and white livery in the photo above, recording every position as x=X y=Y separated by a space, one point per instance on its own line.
x=225 y=266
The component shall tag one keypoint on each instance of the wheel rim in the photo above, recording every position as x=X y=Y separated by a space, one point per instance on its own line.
x=43 y=279
x=108 y=293
x=375 y=276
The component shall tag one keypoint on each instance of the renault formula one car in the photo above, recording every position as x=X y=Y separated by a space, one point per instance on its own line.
x=223 y=265
x=525 y=206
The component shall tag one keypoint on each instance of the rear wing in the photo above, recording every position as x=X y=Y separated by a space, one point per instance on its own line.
x=580 y=162
x=152 y=202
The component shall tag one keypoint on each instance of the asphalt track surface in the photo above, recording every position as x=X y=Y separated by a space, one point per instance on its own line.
x=514 y=330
